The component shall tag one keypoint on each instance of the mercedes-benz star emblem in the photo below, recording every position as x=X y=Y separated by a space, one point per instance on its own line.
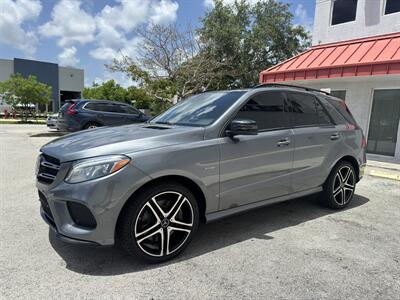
x=164 y=223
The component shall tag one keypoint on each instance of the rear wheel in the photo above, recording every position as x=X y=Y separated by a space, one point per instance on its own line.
x=340 y=186
x=159 y=223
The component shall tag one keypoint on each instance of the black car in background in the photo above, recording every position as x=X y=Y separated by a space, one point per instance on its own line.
x=81 y=114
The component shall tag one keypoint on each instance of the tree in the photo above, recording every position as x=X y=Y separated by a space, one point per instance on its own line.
x=108 y=90
x=139 y=98
x=23 y=92
x=234 y=43
x=250 y=38
x=171 y=63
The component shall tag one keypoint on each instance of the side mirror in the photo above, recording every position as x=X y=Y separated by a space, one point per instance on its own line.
x=242 y=127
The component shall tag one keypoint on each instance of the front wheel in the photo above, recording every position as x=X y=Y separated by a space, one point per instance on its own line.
x=92 y=125
x=340 y=186
x=159 y=223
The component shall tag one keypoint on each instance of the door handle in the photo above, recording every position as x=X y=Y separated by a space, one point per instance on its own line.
x=283 y=142
x=335 y=136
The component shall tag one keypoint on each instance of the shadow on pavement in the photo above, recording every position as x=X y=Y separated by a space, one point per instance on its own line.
x=108 y=261
x=48 y=134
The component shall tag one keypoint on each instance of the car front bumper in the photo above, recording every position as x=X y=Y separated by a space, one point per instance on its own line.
x=103 y=197
x=51 y=124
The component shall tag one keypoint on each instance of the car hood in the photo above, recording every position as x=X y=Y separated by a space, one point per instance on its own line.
x=126 y=140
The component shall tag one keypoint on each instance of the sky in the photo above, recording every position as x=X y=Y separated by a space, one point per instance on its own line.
x=89 y=33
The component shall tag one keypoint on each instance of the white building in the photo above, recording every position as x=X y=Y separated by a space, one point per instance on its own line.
x=66 y=83
x=356 y=55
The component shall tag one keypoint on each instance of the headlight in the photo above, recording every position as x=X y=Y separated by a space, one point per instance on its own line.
x=88 y=169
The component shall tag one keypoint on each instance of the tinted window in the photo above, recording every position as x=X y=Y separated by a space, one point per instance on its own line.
x=115 y=108
x=344 y=11
x=66 y=105
x=392 y=6
x=266 y=109
x=303 y=109
x=96 y=106
x=334 y=114
x=199 y=110
x=342 y=108
x=323 y=117
x=129 y=110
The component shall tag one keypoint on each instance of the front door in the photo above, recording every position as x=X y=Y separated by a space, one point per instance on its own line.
x=254 y=168
x=384 y=124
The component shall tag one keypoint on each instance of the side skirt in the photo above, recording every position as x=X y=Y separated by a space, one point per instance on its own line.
x=211 y=217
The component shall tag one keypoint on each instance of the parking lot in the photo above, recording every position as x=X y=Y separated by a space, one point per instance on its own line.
x=291 y=250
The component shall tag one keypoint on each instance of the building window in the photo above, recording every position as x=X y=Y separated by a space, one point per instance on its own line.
x=341 y=94
x=392 y=6
x=344 y=11
x=384 y=123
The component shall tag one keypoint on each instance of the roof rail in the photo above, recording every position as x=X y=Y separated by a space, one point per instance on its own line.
x=290 y=86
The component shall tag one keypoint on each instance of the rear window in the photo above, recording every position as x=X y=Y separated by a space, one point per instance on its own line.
x=66 y=105
x=343 y=109
x=336 y=117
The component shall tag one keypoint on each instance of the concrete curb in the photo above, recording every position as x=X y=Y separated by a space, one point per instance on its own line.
x=383 y=170
x=383 y=174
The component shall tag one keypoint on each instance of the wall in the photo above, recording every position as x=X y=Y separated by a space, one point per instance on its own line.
x=6 y=69
x=71 y=79
x=370 y=21
x=45 y=72
x=359 y=93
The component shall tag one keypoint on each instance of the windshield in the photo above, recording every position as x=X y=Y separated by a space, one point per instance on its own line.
x=199 y=110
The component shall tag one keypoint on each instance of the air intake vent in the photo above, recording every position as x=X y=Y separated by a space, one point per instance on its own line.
x=156 y=127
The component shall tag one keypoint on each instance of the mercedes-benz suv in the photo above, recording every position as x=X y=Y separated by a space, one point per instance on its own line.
x=146 y=187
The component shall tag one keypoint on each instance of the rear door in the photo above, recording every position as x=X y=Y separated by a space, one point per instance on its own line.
x=112 y=114
x=315 y=136
x=257 y=167
x=97 y=111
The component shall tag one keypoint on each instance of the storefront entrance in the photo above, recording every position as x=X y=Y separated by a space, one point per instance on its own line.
x=384 y=123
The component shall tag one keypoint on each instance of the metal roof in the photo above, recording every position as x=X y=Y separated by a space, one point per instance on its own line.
x=378 y=55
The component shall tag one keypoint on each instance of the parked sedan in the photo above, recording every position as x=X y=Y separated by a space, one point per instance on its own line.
x=51 y=121
x=81 y=114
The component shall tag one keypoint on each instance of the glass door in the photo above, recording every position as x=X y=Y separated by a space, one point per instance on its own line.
x=384 y=123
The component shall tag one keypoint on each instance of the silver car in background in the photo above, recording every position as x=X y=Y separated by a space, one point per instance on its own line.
x=51 y=121
x=146 y=187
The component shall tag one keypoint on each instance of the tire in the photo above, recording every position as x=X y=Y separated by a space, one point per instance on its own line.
x=338 y=190
x=158 y=230
x=91 y=125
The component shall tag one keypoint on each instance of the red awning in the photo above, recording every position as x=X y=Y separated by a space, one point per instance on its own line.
x=378 y=55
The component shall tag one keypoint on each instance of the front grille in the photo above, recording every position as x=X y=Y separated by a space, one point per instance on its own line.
x=46 y=207
x=48 y=168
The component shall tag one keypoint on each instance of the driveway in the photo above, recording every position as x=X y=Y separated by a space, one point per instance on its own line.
x=292 y=250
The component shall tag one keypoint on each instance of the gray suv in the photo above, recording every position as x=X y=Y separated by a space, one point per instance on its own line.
x=147 y=186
